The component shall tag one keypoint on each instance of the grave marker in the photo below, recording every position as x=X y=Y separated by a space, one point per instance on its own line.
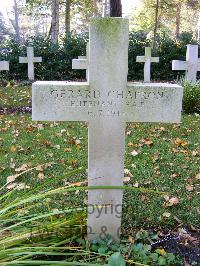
x=106 y=102
x=147 y=59
x=30 y=60
x=191 y=65
x=82 y=62
x=4 y=65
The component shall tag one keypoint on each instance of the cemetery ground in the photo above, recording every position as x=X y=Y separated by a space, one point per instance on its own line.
x=45 y=165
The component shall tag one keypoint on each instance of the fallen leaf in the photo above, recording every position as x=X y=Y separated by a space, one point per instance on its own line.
x=12 y=164
x=67 y=150
x=189 y=188
x=13 y=149
x=197 y=176
x=74 y=162
x=40 y=127
x=181 y=143
x=77 y=142
x=127 y=178
x=162 y=129
x=24 y=167
x=174 y=175
x=57 y=147
x=46 y=142
x=135 y=152
x=39 y=168
x=11 y=185
x=166 y=197
x=172 y=202
x=131 y=239
x=155 y=156
x=130 y=144
x=136 y=184
x=127 y=172
x=41 y=176
x=146 y=141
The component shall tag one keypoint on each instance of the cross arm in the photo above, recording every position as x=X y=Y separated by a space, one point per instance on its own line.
x=153 y=102
x=178 y=65
x=4 y=65
x=37 y=59
x=61 y=101
x=140 y=59
x=23 y=60
x=80 y=63
x=155 y=59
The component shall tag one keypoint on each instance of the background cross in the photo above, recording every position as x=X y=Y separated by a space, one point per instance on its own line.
x=191 y=65
x=4 y=65
x=30 y=60
x=147 y=59
x=82 y=62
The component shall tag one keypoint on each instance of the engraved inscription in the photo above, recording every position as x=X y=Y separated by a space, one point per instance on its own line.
x=113 y=103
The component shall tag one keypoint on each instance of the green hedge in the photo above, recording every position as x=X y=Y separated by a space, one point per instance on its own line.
x=191 y=97
x=57 y=59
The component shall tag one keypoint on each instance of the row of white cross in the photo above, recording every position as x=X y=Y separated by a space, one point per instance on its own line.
x=191 y=65
x=30 y=60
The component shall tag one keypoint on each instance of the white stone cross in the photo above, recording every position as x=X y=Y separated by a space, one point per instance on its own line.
x=106 y=102
x=30 y=60
x=191 y=65
x=4 y=65
x=82 y=62
x=147 y=59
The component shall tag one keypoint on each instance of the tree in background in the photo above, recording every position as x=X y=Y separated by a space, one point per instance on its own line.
x=15 y=21
x=115 y=8
x=55 y=14
x=3 y=29
x=170 y=16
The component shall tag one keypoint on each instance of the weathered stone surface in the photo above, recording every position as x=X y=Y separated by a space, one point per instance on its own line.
x=76 y=101
x=106 y=102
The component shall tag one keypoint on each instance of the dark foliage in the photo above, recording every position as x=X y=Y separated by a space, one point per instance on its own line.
x=57 y=60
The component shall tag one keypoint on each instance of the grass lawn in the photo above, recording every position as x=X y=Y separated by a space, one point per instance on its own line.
x=158 y=156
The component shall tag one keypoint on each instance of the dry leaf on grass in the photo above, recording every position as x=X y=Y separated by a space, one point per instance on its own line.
x=197 y=176
x=41 y=176
x=135 y=152
x=172 y=202
x=166 y=214
x=24 y=167
x=181 y=143
x=189 y=188
x=127 y=178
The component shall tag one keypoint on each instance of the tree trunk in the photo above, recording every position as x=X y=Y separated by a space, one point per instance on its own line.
x=106 y=8
x=95 y=7
x=16 y=24
x=115 y=8
x=178 y=20
x=67 y=17
x=156 y=23
x=55 y=21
